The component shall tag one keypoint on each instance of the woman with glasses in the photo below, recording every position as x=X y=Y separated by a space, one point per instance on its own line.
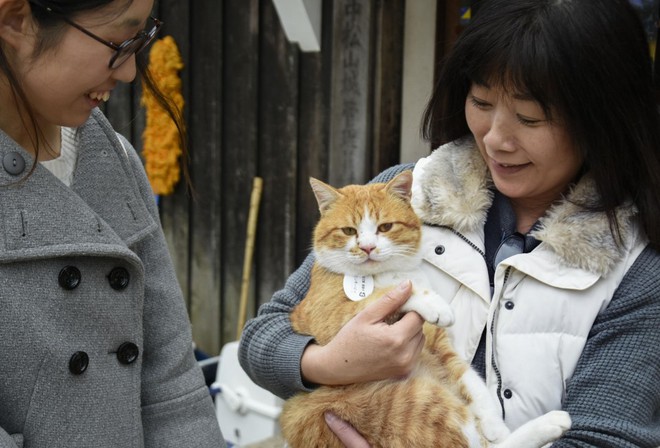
x=542 y=212
x=95 y=344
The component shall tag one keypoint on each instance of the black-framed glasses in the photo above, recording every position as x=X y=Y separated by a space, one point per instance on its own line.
x=129 y=47
x=124 y=50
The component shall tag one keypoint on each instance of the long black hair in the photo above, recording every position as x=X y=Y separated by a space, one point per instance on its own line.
x=588 y=64
x=48 y=15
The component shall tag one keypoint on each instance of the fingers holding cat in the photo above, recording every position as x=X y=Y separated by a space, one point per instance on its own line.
x=367 y=348
x=348 y=435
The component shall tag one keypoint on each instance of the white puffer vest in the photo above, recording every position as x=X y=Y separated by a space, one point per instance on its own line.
x=544 y=302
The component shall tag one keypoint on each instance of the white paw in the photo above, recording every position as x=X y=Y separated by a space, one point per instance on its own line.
x=559 y=419
x=554 y=424
x=444 y=319
x=431 y=307
x=494 y=429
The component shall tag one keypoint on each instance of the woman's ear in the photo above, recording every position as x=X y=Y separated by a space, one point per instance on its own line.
x=15 y=20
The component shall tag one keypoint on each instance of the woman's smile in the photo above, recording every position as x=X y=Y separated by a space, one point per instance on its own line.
x=505 y=169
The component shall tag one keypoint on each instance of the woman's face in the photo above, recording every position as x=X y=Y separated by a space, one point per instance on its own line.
x=64 y=83
x=532 y=160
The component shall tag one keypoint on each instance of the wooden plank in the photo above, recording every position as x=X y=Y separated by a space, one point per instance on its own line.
x=239 y=149
x=656 y=57
x=350 y=133
x=313 y=147
x=205 y=136
x=278 y=121
x=119 y=110
x=453 y=26
x=388 y=80
x=313 y=133
x=174 y=209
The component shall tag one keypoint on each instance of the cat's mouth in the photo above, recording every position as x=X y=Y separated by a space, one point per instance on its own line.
x=370 y=258
x=370 y=265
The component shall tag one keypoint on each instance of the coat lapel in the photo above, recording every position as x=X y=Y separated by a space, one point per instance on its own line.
x=105 y=180
x=100 y=214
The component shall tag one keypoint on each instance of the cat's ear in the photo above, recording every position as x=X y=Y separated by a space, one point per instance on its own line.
x=401 y=185
x=325 y=194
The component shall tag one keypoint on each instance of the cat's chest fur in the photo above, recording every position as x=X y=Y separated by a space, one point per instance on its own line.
x=327 y=307
x=392 y=278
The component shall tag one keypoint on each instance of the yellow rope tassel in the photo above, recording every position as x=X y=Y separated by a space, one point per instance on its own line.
x=161 y=147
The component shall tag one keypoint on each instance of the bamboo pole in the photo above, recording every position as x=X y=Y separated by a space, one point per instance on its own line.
x=255 y=199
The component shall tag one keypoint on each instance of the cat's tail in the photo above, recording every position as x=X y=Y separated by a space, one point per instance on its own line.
x=538 y=432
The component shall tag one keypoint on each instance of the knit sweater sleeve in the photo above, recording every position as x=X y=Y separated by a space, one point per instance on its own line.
x=269 y=350
x=614 y=395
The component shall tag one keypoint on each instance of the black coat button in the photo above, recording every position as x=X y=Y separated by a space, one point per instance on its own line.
x=13 y=163
x=507 y=393
x=127 y=353
x=509 y=305
x=118 y=278
x=439 y=250
x=69 y=277
x=78 y=363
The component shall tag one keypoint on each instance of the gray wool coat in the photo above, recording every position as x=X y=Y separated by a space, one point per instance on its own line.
x=95 y=342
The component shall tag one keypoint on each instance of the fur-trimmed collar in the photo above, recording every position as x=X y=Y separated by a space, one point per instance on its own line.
x=452 y=188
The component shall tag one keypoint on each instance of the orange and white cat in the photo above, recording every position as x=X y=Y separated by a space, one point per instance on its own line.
x=366 y=242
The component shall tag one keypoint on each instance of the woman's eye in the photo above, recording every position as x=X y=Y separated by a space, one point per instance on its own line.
x=528 y=121
x=479 y=104
x=385 y=227
x=349 y=231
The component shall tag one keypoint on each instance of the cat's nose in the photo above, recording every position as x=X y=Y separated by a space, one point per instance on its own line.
x=367 y=248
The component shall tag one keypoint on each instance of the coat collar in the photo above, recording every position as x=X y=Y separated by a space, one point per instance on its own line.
x=102 y=211
x=452 y=188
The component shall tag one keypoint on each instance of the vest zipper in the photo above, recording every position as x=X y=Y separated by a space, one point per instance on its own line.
x=463 y=237
x=492 y=356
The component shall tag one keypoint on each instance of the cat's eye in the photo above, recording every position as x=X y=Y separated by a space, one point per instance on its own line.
x=385 y=227
x=349 y=231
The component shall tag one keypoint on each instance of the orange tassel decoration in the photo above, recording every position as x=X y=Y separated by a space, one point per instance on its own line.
x=161 y=146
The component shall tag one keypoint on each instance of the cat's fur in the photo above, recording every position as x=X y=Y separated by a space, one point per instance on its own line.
x=443 y=403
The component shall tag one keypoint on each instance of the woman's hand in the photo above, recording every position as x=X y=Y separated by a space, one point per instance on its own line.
x=367 y=348
x=345 y=432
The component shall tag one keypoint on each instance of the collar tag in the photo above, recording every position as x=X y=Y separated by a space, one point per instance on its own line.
x=358 y=287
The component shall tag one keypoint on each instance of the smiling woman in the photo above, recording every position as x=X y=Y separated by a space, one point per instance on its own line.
x=93 y=317
x=531 y=157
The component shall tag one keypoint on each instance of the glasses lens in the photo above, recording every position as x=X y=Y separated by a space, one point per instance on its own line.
x=126 y=50
x=512 y=245
x=132 y=46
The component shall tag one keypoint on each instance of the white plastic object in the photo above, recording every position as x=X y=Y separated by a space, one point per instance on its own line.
x=246 y=412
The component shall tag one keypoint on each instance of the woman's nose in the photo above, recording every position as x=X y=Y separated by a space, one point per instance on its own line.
x=500 y=134
x=127 y=71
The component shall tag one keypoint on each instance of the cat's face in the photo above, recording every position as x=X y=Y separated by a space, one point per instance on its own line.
x=367 y=229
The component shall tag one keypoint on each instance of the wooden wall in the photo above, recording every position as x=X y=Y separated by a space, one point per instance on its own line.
x=257 y=106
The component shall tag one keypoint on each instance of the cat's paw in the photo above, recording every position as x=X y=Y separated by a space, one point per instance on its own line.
x=431 y=307
x=494 y=429
x=444 y=318
x=554 y=424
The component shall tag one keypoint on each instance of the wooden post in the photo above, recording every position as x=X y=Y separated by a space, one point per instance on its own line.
x=250 y=236
x=351 y=97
